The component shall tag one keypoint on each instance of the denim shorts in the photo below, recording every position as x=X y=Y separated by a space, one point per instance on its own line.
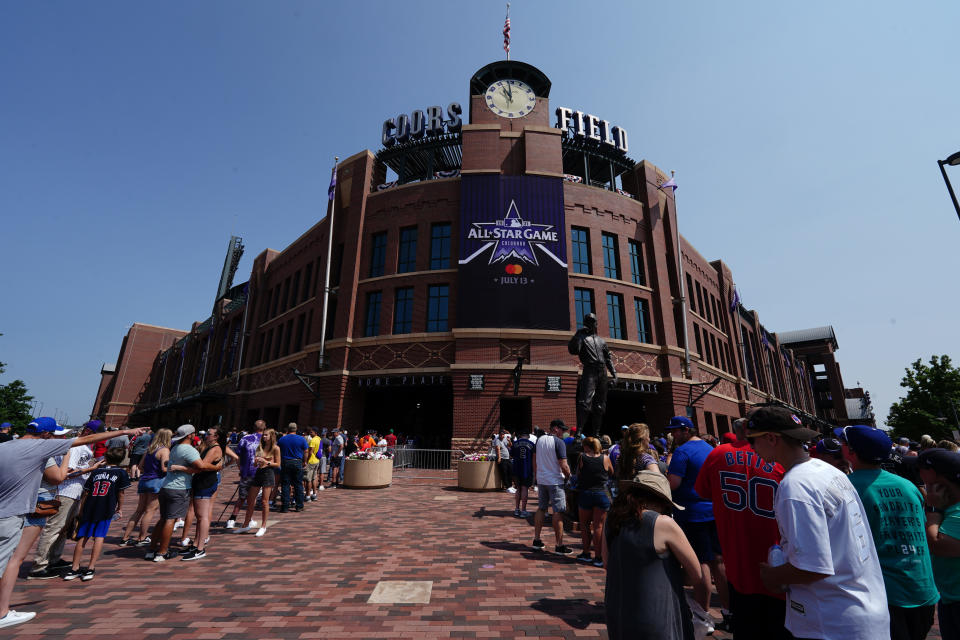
x=209 y=491
x=551 y=495
x=594 y=499
x=149 y=486
x=35 y=522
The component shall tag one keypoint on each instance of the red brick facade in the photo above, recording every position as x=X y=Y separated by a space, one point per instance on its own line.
x=238 y=365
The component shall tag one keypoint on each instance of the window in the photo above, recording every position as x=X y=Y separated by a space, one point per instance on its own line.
x=278 y=343
x=615 y=316
x=696 y=337
x=407 y=260
x=690 y=297
x=287 y=339
x=331 y=317
x=583 y=304
x=636 y=263
x=437 y=307
x=337 y=269
x=298 y=336
x=644 y=334
x=295 y=290
x=276 y=301
x=307 y=275
x=371 y=326
x=285 y=302
x=611 y=259
x=403 y=310
x=700 y=301
x=713 y=348
x=378 y=254
x=580 y=240
x=708 y=313
x=440 y=246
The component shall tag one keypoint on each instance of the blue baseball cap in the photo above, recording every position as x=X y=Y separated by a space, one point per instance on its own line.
x=871 y=445
x=5 y=425
x=943 y=462
x=680 y=422
x=94 y=425
x=828 y=445
x=46 y=425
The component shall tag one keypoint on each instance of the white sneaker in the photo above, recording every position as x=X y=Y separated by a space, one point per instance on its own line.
x=511 y=490
x=320 y=488
x=260 y=532
x=253 y=524
x=16 y=617
x=231 y=523
x=178 y=524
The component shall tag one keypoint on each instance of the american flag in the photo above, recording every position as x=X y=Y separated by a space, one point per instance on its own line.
x=506 y=32
x=332 y=189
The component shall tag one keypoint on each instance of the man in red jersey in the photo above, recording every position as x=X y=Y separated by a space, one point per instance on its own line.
x=742 y=488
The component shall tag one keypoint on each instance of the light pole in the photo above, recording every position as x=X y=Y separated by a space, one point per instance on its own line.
x=953 y=161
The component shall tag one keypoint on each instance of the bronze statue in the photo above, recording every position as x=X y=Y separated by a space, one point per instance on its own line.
x=592 y=388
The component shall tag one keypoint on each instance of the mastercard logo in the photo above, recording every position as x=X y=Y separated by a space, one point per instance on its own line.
x=513 y=269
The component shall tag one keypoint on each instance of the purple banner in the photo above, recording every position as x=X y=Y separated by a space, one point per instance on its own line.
x=513 y=253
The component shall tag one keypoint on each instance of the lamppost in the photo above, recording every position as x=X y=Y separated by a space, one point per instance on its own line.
x=953 y=161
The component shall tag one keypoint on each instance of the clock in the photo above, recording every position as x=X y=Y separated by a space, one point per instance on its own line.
x=510 y=98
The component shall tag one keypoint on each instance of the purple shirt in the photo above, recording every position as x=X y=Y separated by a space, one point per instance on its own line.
x=247 y=450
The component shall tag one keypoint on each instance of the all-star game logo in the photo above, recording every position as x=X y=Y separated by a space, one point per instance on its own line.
x=513 y=241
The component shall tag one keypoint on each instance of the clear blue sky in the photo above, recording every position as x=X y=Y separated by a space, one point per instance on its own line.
x=135 y=137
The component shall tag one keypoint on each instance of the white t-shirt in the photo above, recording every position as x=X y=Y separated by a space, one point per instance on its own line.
x=80 y=458
x=550 y=450
x=824 y=529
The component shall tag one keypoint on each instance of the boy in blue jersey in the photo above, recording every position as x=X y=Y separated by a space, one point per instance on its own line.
x=521 y=455
x=102 y=499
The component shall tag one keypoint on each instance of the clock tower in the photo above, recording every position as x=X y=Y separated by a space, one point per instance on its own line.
x=509 y=131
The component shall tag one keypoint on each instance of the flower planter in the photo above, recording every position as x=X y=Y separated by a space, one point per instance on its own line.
x=478 y=475
x=367 y=474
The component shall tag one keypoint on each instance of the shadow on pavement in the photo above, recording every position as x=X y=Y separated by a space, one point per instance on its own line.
x=578 y=613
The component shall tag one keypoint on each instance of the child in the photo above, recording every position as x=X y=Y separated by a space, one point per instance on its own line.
x=102 y=499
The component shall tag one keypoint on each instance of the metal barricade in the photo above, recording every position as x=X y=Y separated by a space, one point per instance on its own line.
x=432 y=464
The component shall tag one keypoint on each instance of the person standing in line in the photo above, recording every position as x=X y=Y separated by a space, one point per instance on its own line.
x=391 y=440
x=593 y=501
x=204 y=489
x=266 y=460
x=325 y=445
x=153 y=468
x=22 y=463
x=831 y=573
x=294 y=451
x=5 y=432
x=500 y=449
x=48 y=561
x=521 y=456
x=697 y=519
x=644 y=551
x=244 y=457
x=174 y=494
x=551 y=470
x=102 y=500
x=337 y=450
x=635 y=454
x=742 y=487
x=137 y=451
x=940 y=470
x=311 y=483
x=894 y=509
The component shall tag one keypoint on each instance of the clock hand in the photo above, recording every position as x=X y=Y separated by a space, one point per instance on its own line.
x=506 y=95
x=510 y=89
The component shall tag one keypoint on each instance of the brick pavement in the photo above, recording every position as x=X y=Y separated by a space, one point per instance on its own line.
x=311 y=576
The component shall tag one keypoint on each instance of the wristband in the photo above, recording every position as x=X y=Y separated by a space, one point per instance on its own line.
x=932 y=509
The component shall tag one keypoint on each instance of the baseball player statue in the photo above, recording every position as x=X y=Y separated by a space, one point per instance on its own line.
x=592 y=388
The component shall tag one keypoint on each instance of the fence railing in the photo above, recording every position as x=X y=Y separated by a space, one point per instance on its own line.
x=440 y=464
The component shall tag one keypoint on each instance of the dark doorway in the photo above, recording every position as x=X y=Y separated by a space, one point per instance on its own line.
x=623 y=407
x=271 y=415
x=424 y=414
x=516 y=415
x=291 y=413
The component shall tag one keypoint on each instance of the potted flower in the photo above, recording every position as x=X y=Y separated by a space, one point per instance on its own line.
x=370 y=469
x=478 y=472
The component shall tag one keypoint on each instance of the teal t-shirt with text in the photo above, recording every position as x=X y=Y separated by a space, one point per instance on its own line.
x=894 y=509
x=947 y=570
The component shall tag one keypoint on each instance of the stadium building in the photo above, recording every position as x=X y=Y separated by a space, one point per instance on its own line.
x=464 y=254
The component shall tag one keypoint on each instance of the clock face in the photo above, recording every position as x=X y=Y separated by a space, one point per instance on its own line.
x=510 y=98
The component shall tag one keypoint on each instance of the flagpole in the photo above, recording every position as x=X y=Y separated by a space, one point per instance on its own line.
x=680 y=278
x=326 y=278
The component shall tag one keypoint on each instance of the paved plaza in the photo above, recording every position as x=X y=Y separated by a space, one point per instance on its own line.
x=410 y=561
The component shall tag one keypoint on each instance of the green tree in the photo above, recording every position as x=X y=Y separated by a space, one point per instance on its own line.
x=932 y=401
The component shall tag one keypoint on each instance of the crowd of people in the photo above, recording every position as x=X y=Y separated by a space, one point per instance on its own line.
x=850 y=536
x=56 y=486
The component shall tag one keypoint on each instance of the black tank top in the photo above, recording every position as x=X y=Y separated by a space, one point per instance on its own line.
x=592 y=474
